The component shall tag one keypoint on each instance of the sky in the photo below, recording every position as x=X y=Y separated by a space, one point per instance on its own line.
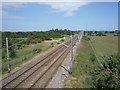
x=42 y=16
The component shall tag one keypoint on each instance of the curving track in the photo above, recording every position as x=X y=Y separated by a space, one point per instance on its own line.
x=38 y=73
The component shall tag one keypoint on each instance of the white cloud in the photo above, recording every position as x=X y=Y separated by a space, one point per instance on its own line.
x=13 y=4
x=5 y=14
x=68 y=8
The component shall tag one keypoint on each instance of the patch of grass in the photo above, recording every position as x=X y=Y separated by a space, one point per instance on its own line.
x=80 y=77
x=105 y=45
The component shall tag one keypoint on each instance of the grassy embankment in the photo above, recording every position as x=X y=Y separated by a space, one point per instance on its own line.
x=82 y=65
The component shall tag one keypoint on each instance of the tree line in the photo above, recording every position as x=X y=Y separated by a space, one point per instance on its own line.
x=100 y=33
x=37 y=36
x=32 y=38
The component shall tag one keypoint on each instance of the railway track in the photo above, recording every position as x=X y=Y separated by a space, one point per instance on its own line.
x=40 y=72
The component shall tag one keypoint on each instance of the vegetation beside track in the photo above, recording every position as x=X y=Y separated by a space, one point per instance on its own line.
x=80 y=77
x=86 y=71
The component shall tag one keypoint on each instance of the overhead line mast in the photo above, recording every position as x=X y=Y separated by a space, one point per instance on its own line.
x=8 y=58
x=7 y=50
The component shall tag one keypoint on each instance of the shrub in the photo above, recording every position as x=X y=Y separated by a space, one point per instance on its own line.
x=109 y=76
x=86 y=38
x=37 y=50
x=62 y=40
x=39 y=41
x=92 y=57
x=3 y=53
x=58 y=42
x=52 y=44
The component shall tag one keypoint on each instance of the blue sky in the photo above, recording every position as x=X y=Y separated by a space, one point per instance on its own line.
x=72 y=16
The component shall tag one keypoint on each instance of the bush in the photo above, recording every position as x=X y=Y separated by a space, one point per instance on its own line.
x=58 y=42
x=34 y=42
x=86 y=38
x=92 y=57
x=39 y=41
x=3 y=53
x=109 y=76
x=37 y=50
x=62 y=40
x=12 y=52
x=48 y=39
x=52 y=44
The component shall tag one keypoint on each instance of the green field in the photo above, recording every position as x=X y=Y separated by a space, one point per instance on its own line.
x=82 y=66
x=105 y=45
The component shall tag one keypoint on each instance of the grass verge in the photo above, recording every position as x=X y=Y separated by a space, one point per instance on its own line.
x=85 y=63
x=82 y=65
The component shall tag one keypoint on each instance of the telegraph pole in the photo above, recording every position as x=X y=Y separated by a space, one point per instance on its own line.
x=7 y=50
x=71 y=54
x=8 y=61
x=71 y=49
